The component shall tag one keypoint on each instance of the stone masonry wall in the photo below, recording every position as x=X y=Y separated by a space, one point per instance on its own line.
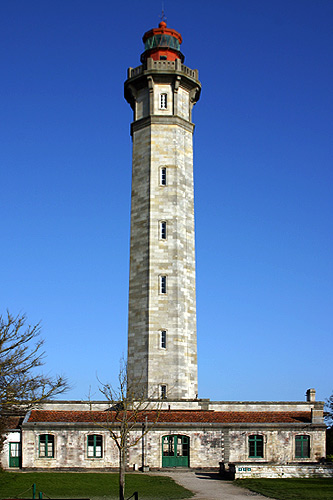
x=279 y=444
x=208 y=447
x=70 y=449
x=162 y=144
x=138 y=306
x=281 y=471
x=175 y=311
x=205 y=448
x=197 y=404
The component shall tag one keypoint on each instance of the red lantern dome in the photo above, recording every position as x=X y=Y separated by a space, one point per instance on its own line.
x=162 y=43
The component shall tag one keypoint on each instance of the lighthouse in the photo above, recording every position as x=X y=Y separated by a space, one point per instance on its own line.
x=162 y=338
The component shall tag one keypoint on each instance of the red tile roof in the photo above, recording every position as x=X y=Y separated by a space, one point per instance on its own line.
x=176 y=416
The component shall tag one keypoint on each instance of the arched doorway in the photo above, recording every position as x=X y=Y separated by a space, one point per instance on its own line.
x=175 y=451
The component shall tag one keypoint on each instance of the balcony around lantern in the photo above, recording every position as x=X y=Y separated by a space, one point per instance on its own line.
x=163 y=65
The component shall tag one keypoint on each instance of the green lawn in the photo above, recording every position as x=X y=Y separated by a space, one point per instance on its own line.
x=291 y=489
x=88 y=485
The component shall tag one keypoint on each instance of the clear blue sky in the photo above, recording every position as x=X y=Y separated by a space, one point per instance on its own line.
x=263 y=186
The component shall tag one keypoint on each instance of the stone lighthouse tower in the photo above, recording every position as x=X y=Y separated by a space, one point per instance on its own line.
x=162 y=345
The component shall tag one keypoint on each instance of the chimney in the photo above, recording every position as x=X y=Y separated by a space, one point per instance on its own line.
x=311 y=395
x=317 y=416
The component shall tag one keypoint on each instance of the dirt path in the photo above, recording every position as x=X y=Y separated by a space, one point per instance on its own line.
x=208 y=486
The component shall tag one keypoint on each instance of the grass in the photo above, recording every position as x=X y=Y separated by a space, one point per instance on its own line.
x=88 y=485
x=291 y=489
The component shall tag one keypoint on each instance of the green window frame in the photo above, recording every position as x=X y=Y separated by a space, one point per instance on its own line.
x=302 y=446
x=256 y=446
x=46 y=446
x=175 y=451
x=95 y=446
x=14 y=454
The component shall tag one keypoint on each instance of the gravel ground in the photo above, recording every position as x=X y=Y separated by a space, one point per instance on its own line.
x=209 y=486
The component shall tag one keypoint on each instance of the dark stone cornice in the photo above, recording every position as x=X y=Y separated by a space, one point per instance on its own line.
x=161 y=120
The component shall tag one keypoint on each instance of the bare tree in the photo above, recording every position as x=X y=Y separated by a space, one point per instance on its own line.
x=21 y=354
x=127 y=410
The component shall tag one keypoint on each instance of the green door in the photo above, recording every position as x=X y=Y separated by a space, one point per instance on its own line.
x=175 y=451
x=14 y=454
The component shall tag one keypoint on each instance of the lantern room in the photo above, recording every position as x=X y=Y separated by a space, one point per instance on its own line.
x=162 y=43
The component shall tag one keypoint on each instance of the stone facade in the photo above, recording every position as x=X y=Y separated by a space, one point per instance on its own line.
x=217 y=434
x=162 y=139
x=71 y=448
x=70 y=444
x=279 y=443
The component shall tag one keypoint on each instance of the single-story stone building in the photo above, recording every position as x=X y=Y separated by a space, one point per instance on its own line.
x=270 y=439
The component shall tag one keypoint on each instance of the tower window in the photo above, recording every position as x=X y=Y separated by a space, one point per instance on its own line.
x=163 y=391
x=302 y=446
x=163 y=101
x=163 y=287
x=163 y=339
x=163 y=178
x=163 y=230
x=256 y=446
